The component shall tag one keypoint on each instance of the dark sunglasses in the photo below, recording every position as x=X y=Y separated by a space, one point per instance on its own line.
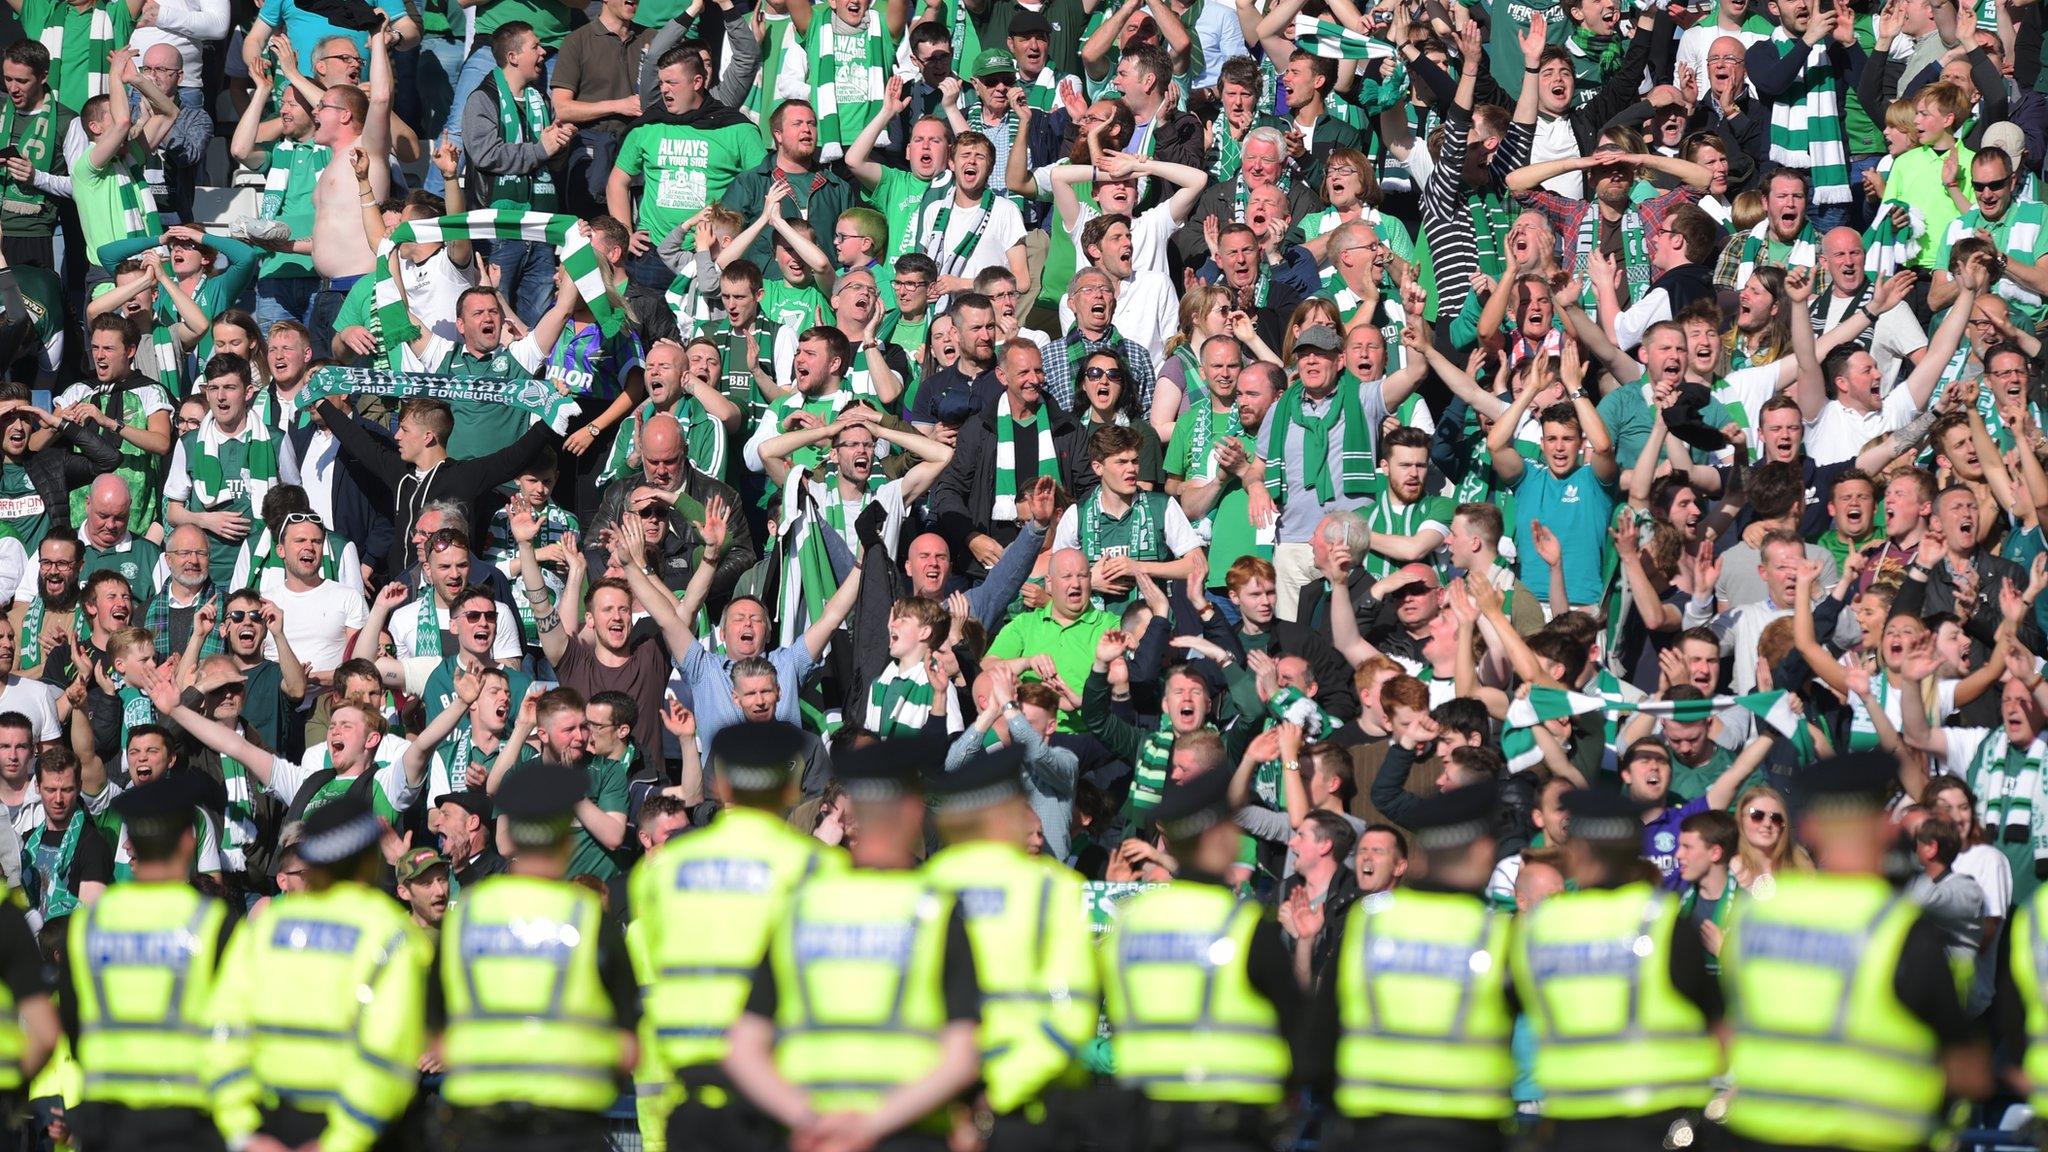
x=1992 y=185
x=239 y=615
x=1760 y=816
x=479 y=615
x=1099 y=373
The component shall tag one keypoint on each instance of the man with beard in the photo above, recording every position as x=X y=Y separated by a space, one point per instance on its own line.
x=1019 y=437
x=855 y=438
x=1860 y=410
x=971 y=377
x=677 y=387
x=110 y=546
x=220 y=472
x=43 y=610
x=1786 y=238
x=1212 y=461
x=172 y=614
x=36 y=484
x=818 y=194
x=321 y=616
x=127 y=410
x=1870 y=314
x=1162 y=753
x=821 y=390
x=423 y=885
x=665 y=467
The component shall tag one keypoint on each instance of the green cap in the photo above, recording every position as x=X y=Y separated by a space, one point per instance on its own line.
x=994 y=62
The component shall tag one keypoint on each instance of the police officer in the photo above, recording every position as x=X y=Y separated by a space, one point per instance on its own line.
x=317 y=1012
x=1201 y=992
x=533 y=997
x=1032 y=951
x=861 y=1024
x=736 y=874
x=1848 y=1028
x=1620 y=1001
x=141 y=971
x=1418 y=1019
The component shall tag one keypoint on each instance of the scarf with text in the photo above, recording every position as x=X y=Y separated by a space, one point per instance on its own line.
x=537 y=398
x=520 y=120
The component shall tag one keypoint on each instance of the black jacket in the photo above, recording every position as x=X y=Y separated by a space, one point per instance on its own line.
x=963 y=499
x=466 y=482
x=1335 y=692
x=682 y=536
x=358 y=517
x=70 y=461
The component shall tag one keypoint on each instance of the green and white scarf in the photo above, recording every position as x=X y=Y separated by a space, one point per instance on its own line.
x=1290 y=706
x=138 y=204
x=1756 y=250
x=30 y=647
x=38 y=144
x=521 y=119
x=899 y=702
x=2007 y=782
x=1333 y=41
x=842 y=514
x=1806 y=123
x=1147 y=517
x=238 y=830
x=99 y=43
x=1206 y=429
x=427 y=628
x=1634 y=250
x=1888 y=248
x=564 y=233
x=847 y=71
x=1005 y=506
x=1150 y=773
x=1355 y=455
x=48 y=892
x=165 y=364
x=202 y=458
x=536 y=397
x=291 y=162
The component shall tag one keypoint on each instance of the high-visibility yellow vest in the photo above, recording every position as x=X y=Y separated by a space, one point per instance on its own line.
x=1027 y=920
x=529 y=1019
x=1823 y=1051
x=321 y=1006
x=860 y=1001
x=1614 y=1037
x=736 y=874
x=2029 y=946
x=1186 y=1023
x=1422 y=1001
x=143 y=960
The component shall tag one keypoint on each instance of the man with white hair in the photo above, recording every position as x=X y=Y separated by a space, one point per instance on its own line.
x=188 y=586
x=1264 y=160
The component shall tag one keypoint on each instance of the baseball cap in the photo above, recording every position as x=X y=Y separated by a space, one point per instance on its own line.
x=2006 y=136
x=1319 y=336
x=1028 y=23
x=416 y=863
x=994 y=62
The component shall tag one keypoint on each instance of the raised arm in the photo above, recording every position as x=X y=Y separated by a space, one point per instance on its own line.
x=420 y=753
x=859 y=154
x=833 y=614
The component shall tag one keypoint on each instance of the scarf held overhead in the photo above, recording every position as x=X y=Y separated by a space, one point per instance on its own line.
x=536 y=397
x=564 y=233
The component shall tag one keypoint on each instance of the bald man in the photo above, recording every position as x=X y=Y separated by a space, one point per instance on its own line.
x=1058 y=639
x=109 y=545
x=1897 y=334
x=173 y=611
x=667 y=476
x=173 y=169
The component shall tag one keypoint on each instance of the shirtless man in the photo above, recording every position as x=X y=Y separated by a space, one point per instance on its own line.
x=348 y=120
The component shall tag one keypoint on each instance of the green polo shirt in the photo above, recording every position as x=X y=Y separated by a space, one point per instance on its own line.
x=135 y=559
x=1071 y=646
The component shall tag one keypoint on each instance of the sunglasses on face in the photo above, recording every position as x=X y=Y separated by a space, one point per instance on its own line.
x=1763 y=816
x=479 y=615
x=1103 y=374
x=1992 y=185
x=240 y=615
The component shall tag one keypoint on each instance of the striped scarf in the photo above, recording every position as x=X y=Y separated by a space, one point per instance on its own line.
x=807 y=578
x=38 y=144
x=1005 y=506
x=165 y=364
x=138 y=204
x=1756 y=250
x=426 y=639
x=776 y=33
x=2007 y=781
x=1150 y=773
x=238 y=830
x=1806 y=123
x=1634 y=251
x=1289 y=706
x=842 y=514
x=99 y=44
x=259 y=466
x=47 y=893
x=521 y=119
x=899 y=702
x=291 y=163
x=846 y=71
x=564 y=233
x=1888 y=248
x=1333 y=41
x=1207 y=428
x=30 y=646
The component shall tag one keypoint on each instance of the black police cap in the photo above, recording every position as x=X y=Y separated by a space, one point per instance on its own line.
x=1191 y=806
x=888 y=769
x=987 y=779
x=1854 y=783
x=341 y=828
x=757 y=757
x=1597 y=814
x=1456 y=818
x=538 y=792
x=162 y=805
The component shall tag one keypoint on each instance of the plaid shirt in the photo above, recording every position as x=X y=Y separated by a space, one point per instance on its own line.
x=157 y=618
x=1062 y=357
x=1567 y=216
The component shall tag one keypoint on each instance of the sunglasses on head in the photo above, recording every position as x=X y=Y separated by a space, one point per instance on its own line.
x=1764 y=816
x=292 y=518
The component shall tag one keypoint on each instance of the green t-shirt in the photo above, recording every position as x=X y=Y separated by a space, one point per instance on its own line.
x=234 y=460
x=1504 y=51
x=1690 y=782
x=1916 y=180
x=481 y=429
x=338 y=787
x=135 y=560
x=899 y=196
x=42 y=294
x=67 y=32
x=684 y=167
x=1071 y=645
x=97 y=194
x=21 y=507
x=549 y=18
x=608 y=792
x=1629 y=416
x=1231 y=531
x=802 y=305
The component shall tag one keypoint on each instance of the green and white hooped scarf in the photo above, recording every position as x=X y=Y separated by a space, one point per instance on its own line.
x=564 y=233
x=521 y=118
x=291 y=162
x=30 y=647
x=48 y=892
x=847 y=71
x=99 y=43
x=1806 y=123
x=1007 y=489
x=202 y=458
x=1755 y=247
x=899 y=702
x=238 y=830
x=1634 y=250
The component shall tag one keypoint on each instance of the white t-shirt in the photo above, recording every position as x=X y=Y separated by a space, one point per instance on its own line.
x=433 y=288
x=1839 y=433
x=1993 y=873
x=35 y=700
x=348 y=574
x=889 y=496
x=286 y=778
x=405 y=630
x=995 y=234
x=1897 y=335
x=317 y=623
x=1151 y=237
